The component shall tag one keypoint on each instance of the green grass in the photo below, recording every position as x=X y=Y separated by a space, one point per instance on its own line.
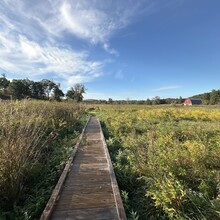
x=166 y=158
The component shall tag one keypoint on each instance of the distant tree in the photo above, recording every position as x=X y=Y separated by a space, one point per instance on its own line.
x=37 y=90
x=128 y=100
x=70 y=94
x=48 y=86
x=149 y=102
x=206 y=98
x=167 y=101
x=110 y=100
x=76 y=92
x=215 y=97
x=4 y=83
x=57 y=93
x=156 y=100
x=20 y=88
x=180 y=101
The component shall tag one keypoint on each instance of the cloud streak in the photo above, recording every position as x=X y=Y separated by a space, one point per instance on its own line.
x=29 y=45
x=30 y=58
x=166 y=88
x=97 y=20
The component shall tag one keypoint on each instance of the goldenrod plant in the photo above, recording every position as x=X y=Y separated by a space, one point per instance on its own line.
x=166 y=159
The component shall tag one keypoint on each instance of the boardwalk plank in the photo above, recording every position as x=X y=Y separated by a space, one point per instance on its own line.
x=90 y=188
x=80 y=214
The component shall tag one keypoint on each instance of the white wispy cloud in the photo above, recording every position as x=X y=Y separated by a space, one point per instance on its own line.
x=93 y=20
x=33 y=33
x=30 y=48
x=166 y=88
x=110 y=50
x=29 y=58
x=97 y=20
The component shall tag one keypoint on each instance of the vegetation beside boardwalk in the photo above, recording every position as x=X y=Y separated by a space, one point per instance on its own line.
x=166 y=159
x=36 y=139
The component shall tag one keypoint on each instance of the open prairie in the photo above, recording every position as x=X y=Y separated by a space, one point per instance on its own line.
x=166 y=158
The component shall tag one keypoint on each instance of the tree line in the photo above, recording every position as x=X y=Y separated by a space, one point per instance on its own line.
x=154 y=101
x=210 y=98
x=42 y=90
x=49 y=90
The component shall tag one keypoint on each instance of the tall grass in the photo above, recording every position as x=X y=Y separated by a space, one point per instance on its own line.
x=21 y=138
x=33 y=149
x=167 y=159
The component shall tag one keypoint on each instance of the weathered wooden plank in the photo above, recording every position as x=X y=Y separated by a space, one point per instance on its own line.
x=100 y=195
x=92 y=136
x=90 y=179
x=75 y=189
x=91 y=160
x=89 y=174
x=95 y=213
x=90 y=190
x=50 y=205
x=86 y=204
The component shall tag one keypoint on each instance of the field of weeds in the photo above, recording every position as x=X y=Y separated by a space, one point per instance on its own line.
x=36 y=139
x=166 y=159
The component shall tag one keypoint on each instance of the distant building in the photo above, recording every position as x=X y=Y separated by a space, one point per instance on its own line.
x=192 y=102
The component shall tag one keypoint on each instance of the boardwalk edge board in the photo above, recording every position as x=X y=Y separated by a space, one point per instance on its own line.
x=55 y=194
x=117 y=195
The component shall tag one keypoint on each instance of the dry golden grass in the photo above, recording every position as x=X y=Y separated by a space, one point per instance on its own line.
x=27 y=130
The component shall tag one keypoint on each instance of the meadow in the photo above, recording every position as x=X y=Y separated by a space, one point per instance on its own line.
x=166 y=159
x=36 y=139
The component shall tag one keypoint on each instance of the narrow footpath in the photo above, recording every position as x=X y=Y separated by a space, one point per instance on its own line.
x=90 y=190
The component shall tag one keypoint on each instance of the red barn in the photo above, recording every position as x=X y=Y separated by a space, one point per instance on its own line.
x=192 y=102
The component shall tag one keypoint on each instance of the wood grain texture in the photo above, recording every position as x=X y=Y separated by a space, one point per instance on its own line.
x=90 y=189
x=55 y=194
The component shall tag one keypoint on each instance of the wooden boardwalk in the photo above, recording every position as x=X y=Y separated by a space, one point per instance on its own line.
x=87 y=188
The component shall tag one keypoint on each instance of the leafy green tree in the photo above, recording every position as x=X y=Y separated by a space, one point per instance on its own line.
x=149 y=102
x=37 y=90
x=76 y=92
x=20 y=88
x=206 y=98
x=57 y=93
x=70 y=94
x=4 y=83
x=180 y=100
x=110 y=100
x=156 y=100
x=48 y=86
x=215 y=97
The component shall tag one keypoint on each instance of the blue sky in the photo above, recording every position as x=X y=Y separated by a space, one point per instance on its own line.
x=122 y=49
